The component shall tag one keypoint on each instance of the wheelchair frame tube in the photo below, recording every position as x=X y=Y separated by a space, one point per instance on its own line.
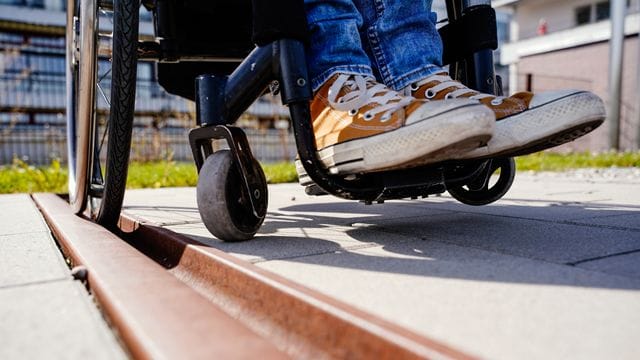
x=479 y=72
x=480 y=68
x=248 y=81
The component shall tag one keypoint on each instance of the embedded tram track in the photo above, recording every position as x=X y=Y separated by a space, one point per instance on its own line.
x=169 y=296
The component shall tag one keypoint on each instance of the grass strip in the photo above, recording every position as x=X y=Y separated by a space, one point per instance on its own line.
x=548 y=161
x=20 y=177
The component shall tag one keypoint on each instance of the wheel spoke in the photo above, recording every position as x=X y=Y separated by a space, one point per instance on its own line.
x=108 y=101
x=104 y=96
x=104 y=75
x=104 y=136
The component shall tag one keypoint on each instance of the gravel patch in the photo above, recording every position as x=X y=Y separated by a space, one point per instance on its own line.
x=615 y=174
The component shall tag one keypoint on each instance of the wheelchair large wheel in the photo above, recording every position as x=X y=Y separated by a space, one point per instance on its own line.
x=223 y=203
x=483 y=190
x=101 y=79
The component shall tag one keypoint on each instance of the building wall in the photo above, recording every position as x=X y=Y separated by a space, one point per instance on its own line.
x=587 y=67
x=559 y=15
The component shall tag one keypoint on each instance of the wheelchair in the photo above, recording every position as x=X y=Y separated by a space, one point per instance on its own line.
x=206 y=51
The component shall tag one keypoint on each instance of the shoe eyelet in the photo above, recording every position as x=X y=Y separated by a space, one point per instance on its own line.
x=368 y=116
x=353 y=112
x=448 y=96
x=385 y=118
x=429 y=94
x=496 y=101
x=414 y=87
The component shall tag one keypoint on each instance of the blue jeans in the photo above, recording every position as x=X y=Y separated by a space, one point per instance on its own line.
x=394 y=40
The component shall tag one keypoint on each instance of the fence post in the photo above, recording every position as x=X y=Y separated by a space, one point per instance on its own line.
x=616 y=49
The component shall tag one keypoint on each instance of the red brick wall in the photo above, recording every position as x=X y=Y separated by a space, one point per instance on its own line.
x=586 y=67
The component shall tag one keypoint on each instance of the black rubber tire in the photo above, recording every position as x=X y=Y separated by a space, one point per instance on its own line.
x=106 y=209
x=488 y=194
x=87 y=184
x=222 y=202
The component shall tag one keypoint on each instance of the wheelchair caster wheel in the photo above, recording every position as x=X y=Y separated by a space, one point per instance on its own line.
x=223 y=201
x=480 y=191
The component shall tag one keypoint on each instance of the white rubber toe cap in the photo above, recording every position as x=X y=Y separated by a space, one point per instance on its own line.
x=554 y=95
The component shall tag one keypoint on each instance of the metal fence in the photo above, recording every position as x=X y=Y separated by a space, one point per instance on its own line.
x=40 y=146
x=32 y=109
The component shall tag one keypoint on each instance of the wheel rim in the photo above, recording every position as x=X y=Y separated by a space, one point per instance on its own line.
x=88 y=89
x=81 y=47
x=485 y=193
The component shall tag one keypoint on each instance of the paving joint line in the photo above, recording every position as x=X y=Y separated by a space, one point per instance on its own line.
x=26 y=233
x=574 y=263
x=497 y=251
x=291 y=257
x=38 y=282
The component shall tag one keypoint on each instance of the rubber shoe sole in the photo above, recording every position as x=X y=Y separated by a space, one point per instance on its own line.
x=542 y=127
x=461 y=127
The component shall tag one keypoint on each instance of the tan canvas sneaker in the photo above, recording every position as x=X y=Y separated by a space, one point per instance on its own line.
x=363 y=126
x=526 y=122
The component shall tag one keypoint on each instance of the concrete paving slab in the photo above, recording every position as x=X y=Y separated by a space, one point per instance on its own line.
x=543 y=229
x=621 y=221
x=165 y=206
x=557 y=198
x=28 y=258
x=18 y=215
x=54 y=320
x=497 y=281
x=568 y=187
x=284 y=243
x=541 y=208
x=488 y=304
x=44 y=314
x=625 y=265
x=555 y=242
x=165 y=216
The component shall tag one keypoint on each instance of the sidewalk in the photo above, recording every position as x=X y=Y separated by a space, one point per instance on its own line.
x=550 y=271
x=44 y=313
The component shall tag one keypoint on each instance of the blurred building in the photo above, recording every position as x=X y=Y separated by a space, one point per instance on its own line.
x=565 y=44
x=32 y=93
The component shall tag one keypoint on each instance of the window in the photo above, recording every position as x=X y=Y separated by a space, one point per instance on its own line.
x=602 y=10
x=29 y=3
x=35 y=3
x=583 y=15
x=11 y=2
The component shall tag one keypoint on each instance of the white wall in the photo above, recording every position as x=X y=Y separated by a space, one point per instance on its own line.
x=559 y=15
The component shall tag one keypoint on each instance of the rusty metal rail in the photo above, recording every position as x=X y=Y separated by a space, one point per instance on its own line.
x=171 y=297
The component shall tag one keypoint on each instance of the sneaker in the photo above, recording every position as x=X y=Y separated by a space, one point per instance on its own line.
x=363 y=126
x=526 y=123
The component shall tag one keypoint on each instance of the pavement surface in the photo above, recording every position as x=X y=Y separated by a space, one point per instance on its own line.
x=550 y=271
x=44 y=312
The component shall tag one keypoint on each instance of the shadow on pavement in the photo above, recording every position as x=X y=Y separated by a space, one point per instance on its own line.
x=534 y=244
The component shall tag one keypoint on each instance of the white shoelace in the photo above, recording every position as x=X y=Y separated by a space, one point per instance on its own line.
x=363 y=91
x=447 y=82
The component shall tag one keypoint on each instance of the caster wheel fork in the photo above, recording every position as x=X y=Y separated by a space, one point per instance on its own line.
x=232 y=189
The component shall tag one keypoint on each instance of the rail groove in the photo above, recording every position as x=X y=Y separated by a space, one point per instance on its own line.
x=170 y=296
